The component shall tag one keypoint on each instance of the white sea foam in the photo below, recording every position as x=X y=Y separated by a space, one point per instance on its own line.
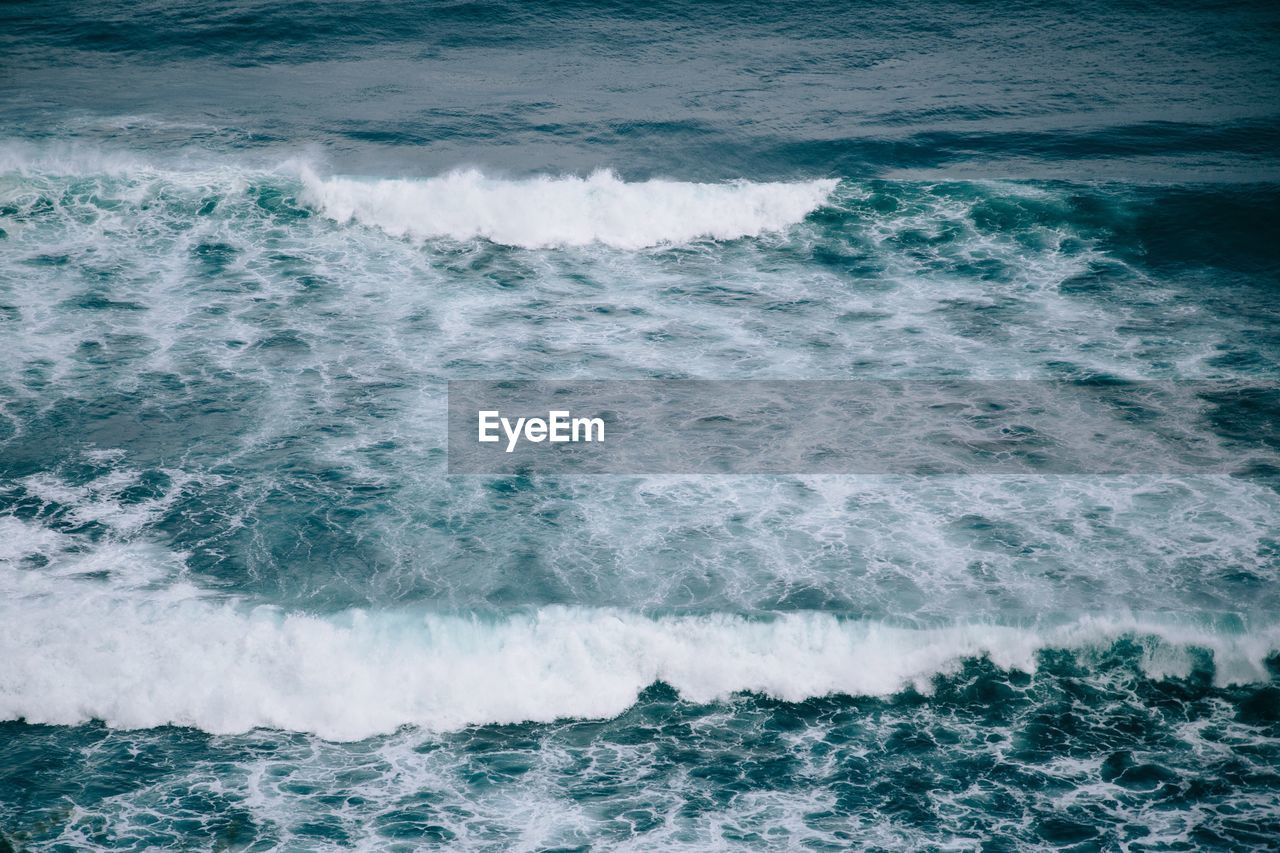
x=544 y=212
x=136 y=650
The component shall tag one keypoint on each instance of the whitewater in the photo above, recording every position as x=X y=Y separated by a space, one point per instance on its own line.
x=103 y=639
x=548 y=212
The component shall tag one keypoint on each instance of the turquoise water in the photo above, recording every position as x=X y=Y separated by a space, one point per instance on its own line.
x=243 y=248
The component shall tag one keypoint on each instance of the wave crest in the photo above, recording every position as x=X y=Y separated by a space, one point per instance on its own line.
x=550 y=212
x=158 y=657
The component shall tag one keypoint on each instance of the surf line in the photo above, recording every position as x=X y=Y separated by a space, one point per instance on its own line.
x=558 y=427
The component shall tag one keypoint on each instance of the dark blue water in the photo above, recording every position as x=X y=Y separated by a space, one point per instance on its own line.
x=244 y=246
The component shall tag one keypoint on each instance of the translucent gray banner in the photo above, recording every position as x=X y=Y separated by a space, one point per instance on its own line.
x=918 y=427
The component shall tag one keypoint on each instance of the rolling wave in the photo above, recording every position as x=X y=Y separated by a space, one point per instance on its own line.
x=113 y=634
x=549 y=212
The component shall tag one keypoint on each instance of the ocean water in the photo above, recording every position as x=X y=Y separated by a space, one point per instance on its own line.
x=244 y=246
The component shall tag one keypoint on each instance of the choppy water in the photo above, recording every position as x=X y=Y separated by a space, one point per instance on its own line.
x=243 y=247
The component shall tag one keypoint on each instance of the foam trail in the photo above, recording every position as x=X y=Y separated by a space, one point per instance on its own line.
x=143 y=649
x=546 y=212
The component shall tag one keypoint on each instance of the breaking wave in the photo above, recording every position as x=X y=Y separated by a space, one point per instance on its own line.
x=114 y=635
x=548 y=212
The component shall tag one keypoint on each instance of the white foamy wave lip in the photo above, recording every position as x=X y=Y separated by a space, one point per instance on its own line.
x=117 y=632
x=550 y=212
x=226 y=670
